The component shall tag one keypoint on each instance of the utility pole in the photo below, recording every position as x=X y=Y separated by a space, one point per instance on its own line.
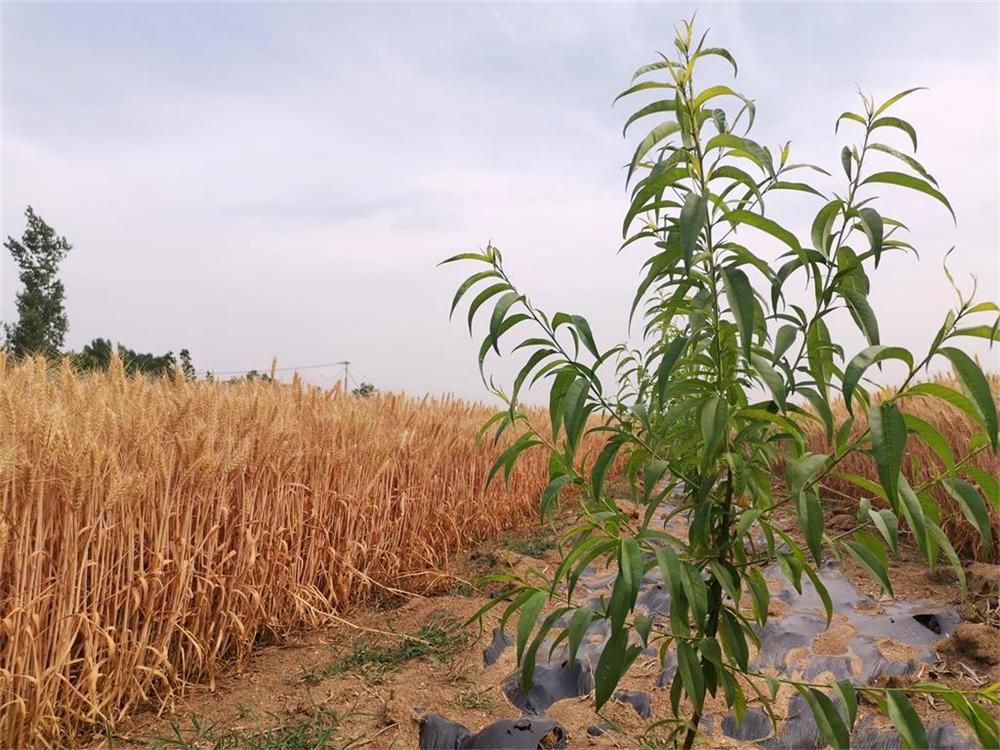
x=346 y=365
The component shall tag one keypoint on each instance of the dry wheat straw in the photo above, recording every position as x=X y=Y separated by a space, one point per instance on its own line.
x=151 y=531
x=957 y=429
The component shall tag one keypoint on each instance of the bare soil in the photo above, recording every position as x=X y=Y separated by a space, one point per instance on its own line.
x=322 y=676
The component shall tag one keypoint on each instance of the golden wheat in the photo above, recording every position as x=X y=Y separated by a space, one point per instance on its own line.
x=152 y=531
x=919 y=460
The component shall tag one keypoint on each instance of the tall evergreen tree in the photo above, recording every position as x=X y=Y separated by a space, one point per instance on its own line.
x=41 y=325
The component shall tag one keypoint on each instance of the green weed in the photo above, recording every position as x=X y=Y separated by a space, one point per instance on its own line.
x=438 y=639
x=481 y=700
x=534 y=545
x=317 y=731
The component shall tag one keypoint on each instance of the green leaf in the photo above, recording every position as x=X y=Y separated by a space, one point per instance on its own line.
x=908 y=181
x=906 y=721
x=692 y=219
x=847 y=161
x=533 y=361
x=811 y=524
x=615 y=660
x=975 y=384
x=822 y=226
x=669 y=358
x=888 y=431
x=530 y=654
x=801 y=471
x=526 y=622
x=627 y=583
x=988 y=485
x=734 y=639
x=862 y=313
x=949 y=395
x=868 y=560
x=871 y=220
x=828 y=720
x=583 y=328
x=467 y=284
x=574 y=409
x=645 y=85
x=741 y=302
x=990 y=333
x=665 y=105
x=893 y=99
x=913 y=511
x=771 y=378
x=821 y=591
x=759 y=593
x=863 y=483
x=714 y=417
x=507 y=458
x=650 y=67
x=670 y=570
x=552 y=492
x=712 y=92
x=482 y=257
x=783 y=339
x=577 y=629
x=850 y=116
x=906 y=159
x=696 y=592
x=888 y=526
x=603 y=462
x=822 y=409
x=848 y=699
x=691 y=673
x=484 y=295
x=765 y=225
x=934 y=439
x=797 y=186
x=895 y=122
x=972 y=505
x=490 y=341
x=657 y=134
x=719 y=52
x=944 y=544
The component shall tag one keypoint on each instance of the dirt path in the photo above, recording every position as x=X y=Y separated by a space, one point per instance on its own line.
x=371 y=685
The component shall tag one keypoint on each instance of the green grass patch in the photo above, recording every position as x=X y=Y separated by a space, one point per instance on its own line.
x=534 y=544
x=439 y=638
x=317 y=731
x=482 y=700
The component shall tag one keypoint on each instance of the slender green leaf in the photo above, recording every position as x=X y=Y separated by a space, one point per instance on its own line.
x=741 y=302
x=765 y=225
x=911 y=182
x=977 y=387
x=692 y=219
x=973 y=506
x=906 y=721
x=888 y=430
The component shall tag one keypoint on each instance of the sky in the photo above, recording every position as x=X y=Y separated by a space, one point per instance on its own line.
x=258 y=181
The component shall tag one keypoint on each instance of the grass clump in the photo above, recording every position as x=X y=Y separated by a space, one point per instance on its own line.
x=317 y=731
x=534 y=544
x=439 y=639
x=480 y=700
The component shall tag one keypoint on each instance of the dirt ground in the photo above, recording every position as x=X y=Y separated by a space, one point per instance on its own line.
x=364 y=684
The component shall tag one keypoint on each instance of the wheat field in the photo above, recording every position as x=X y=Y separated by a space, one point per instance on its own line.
x=152 y=531
x=922 y=463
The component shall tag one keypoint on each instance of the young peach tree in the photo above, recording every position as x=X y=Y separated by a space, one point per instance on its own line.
x=729 y=370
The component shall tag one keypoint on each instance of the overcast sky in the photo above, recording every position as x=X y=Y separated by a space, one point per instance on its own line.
x=269 y=180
